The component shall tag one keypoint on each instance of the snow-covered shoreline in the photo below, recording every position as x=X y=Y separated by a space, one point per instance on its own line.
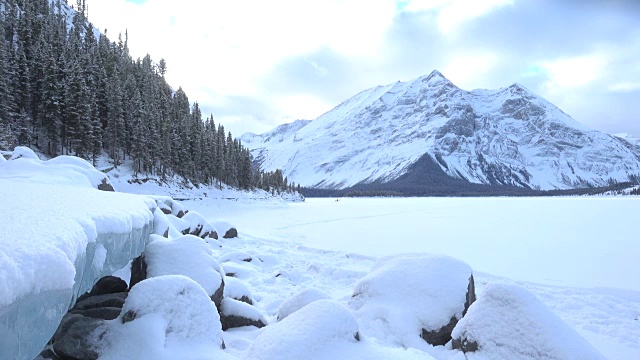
x=326 y=253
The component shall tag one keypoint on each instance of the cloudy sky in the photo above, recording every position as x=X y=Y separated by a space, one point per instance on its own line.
x=255 y=64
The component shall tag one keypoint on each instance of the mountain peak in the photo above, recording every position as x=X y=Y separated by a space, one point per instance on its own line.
x=436 y=73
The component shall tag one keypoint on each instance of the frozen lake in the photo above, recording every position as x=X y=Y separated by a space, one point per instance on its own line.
x=568 y=241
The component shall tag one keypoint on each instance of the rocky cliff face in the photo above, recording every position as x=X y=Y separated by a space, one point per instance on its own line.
x=508 y=136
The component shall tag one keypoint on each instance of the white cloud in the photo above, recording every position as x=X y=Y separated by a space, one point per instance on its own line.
x=454 y=13
x=566 y=73
x=224 y=47
x=468 y=70
x=626 y=86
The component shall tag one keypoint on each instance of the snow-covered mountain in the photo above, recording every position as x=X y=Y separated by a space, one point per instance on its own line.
x=508 y=136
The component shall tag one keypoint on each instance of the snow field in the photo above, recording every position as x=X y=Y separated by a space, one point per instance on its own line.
x=283 y=264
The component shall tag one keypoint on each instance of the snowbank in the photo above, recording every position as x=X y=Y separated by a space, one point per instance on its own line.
x=509 y=322
x=59 y=235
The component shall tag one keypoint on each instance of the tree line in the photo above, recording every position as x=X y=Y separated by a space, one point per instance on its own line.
x=65 y=88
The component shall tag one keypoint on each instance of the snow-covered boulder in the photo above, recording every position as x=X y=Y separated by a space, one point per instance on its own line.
x=236 y=256
x=227 y=230
x=235 y=313
x=237 y=289
x=241 y=270
x=199 y=226
x=298 y=301
x=23 y=152
x=187 y=255
x=414 y=295
x=163 y=314
x=308 y=333
x=509 y=322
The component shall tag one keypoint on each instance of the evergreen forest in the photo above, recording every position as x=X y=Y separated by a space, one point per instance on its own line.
x=66 y=88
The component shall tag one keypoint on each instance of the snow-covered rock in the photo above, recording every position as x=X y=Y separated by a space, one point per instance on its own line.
x=186 y=255
x=166 y=315
x=199 y=226
x=414 y=295
x=509 y=322
x=298 y=301
x=238 y=290
x=59 y=236
x=226 y=230
x=308 y=333
x=506 y=136
x=235 y=313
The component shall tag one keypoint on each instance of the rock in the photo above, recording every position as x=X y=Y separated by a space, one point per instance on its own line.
x=238 y=290
x=186 y=255
x=106 y=285
x=210 y=234
x=183 y=305
x=443 y=335
x=236 y=314
x=105 y=186
x=138 y=270
x=101 y=301
x=180 y=214
x=82 y=340
x=218 y=295
x=199 y=226
x=66 y=322
x=430 y=293
x=298 y=301
x=509 y=322
x=231 y=233
x=105 y=313
x=227 y=229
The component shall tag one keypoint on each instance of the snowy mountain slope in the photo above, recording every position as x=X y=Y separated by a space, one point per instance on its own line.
x=508 y=136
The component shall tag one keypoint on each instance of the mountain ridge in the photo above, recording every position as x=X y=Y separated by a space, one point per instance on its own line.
x=508 y=136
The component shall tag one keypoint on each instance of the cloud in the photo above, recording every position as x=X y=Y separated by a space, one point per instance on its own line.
x=258 y=63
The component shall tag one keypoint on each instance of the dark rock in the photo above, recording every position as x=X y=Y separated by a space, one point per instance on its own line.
x=471 y=295
x=246 y=299
x=101 y=301
x=234 y=321
x=166 y=233
x=210 y=234
x=218 y=295
x=129 y=316
x=443 y=335
x=231 y=233
x=464 y=345
x=105 y=313
x=180 y=214
x=48 y=354
x=67 y=320
x=440 y=336
x=106 y=285
x=138 y=270
x=105 y=186
x=82 y=340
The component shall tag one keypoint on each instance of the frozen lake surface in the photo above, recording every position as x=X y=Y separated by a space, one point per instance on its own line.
x=566 y=241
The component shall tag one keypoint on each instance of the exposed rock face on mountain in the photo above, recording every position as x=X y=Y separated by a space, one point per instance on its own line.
x=508 y=136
